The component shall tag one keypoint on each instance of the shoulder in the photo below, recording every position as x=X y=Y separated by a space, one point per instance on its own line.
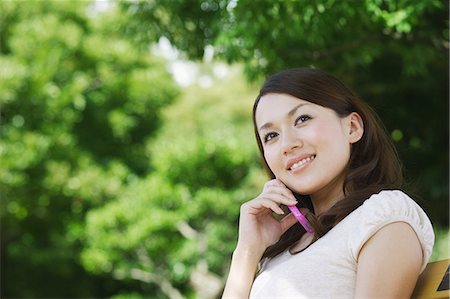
x=394 y=205
x=391 y=257
x=387 y=207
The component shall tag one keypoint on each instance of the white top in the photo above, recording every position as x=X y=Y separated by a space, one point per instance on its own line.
x=327 y=268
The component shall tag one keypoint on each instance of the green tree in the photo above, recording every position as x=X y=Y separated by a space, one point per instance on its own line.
x=394 y=53
x=176 y=228
x=78 y=101
x=109 y=187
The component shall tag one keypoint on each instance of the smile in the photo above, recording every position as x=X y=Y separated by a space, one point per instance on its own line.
x=302 y=162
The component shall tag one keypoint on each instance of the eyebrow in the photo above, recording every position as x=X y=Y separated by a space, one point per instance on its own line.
x=289 y=114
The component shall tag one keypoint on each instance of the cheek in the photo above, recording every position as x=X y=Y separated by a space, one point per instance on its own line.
x=272 y=158
x=327 y=133
x=330 y=139
x=337 y=143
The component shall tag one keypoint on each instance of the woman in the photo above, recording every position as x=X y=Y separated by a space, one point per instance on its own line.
x=327 y=154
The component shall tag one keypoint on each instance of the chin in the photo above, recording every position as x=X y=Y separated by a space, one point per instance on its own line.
x=302 y=190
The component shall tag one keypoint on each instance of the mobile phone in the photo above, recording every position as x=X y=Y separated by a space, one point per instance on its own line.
x=302 y=219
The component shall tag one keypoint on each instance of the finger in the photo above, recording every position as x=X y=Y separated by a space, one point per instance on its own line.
x=282 y=191
x=269 y=203
x=279 y=183
x=270 y=184
x=274 y=183
x=279 y=198
x=261 y=205
x=287 y=222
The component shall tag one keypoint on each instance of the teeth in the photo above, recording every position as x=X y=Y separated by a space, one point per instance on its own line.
x=302 y=162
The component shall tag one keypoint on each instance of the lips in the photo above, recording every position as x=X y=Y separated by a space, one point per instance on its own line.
x=295 y=163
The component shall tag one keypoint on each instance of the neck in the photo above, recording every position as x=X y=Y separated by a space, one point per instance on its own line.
x=327 y=197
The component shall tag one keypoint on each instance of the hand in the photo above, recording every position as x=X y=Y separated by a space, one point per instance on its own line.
x=258 y=228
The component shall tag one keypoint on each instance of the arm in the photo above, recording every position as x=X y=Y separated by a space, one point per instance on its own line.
x=258 y=229
x=242 y=272
x=389 y=263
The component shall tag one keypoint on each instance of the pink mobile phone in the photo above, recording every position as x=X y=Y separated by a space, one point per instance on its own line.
x=302 y=219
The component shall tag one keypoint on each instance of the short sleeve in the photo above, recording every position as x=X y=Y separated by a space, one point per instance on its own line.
x=387 y=207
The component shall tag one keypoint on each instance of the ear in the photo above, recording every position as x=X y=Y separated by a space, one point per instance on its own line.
x=355 y=127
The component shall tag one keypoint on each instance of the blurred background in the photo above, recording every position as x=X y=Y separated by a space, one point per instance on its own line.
x=126 y=143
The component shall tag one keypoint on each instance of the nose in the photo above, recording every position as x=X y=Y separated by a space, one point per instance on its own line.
x=290 y=140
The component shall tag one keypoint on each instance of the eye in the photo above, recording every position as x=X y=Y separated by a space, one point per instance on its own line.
x=269 y=136
x=301 y=119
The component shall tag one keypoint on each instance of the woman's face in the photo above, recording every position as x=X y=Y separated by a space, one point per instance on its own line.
x=306 y=146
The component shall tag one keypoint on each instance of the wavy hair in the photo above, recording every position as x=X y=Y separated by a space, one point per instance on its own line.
x=373 y=166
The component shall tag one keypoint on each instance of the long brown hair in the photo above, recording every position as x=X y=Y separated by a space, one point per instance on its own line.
x=373 y=165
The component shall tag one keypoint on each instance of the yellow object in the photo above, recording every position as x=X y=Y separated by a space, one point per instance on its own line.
x=433 y=283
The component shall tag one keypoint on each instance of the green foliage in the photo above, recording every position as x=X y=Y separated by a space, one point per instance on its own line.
x=129 y=296
x=106 y=180
x=77 y=103
x=163 y=228
x=201 y=145
x=393 y=53
x=140 y=220
x=441 y=248
x=269 y=35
